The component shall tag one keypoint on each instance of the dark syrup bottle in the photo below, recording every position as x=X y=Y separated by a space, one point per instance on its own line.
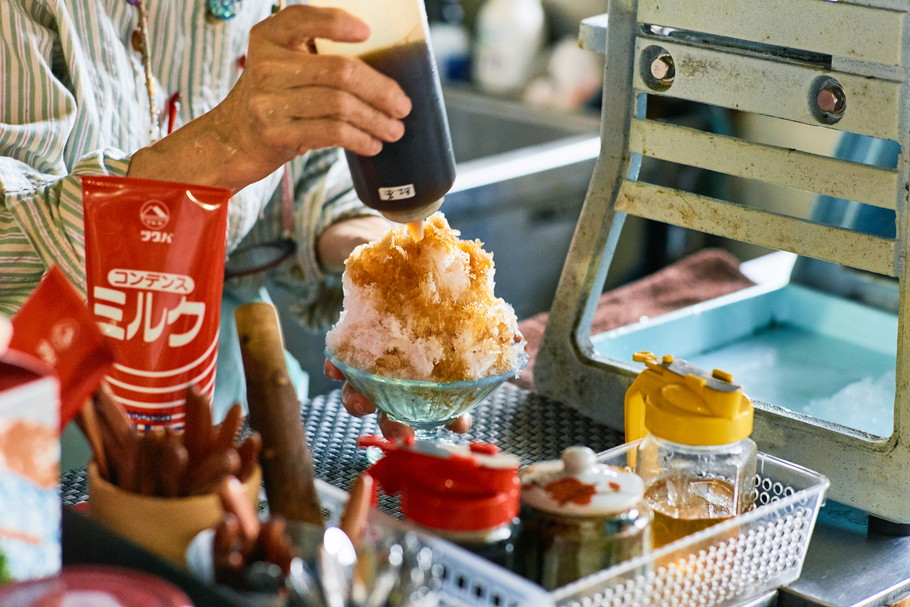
x=407 y=180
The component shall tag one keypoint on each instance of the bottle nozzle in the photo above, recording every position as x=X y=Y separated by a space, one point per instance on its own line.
x=412 y=215
x=415 y=229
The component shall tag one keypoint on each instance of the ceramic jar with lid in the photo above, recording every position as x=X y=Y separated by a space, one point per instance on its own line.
x=579 y=516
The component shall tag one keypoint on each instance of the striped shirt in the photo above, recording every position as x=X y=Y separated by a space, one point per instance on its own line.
x=73 y=102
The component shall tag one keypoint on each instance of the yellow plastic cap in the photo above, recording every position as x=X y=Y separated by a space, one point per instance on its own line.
x=679 y=402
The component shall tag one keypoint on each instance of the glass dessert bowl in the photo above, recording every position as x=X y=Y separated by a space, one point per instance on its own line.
x=426 y=406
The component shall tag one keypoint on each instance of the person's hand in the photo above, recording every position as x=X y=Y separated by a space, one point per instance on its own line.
x=287 y=101
x=359 y=405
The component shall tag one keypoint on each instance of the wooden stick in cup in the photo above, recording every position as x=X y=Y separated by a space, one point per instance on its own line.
x=354 y=517
x=158 y=462
x=208 y=474
x=228 y=560
x=287 y=464
x=174 y=460
x=233 y=499
x=87 y=421
x=249 y=454
x=119 y=438
x=275 y=544
x=228 y=429
x=197 y=428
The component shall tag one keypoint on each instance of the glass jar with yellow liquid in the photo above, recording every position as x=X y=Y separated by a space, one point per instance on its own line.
x=695 y=457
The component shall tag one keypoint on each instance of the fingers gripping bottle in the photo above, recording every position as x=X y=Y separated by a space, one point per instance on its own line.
x=695 y=457
x=407 y=180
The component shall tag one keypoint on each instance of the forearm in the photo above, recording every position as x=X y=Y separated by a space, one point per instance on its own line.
x=200 y=153
x=42 y=223
x=338 y=240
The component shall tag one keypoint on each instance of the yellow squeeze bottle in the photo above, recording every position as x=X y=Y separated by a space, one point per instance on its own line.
x=695 y=457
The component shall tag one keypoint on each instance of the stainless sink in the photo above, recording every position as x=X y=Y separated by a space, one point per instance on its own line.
x=522 y=174
x=484 y=127
x=521 y=179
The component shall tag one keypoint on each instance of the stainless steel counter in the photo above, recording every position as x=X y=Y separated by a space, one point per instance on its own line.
x=847 y=565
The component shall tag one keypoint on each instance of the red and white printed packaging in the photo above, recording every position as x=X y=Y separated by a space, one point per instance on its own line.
x=57 y=328
x=155 y=271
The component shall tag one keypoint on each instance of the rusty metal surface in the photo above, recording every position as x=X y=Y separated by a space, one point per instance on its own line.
x=768 y=85
x=796 y=169
x=866 y=33
x=754 y=226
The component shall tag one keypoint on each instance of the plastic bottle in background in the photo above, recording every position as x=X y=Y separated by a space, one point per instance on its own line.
x=407 y=180
x=509 y=35
x=451 y=42
x=572 y=79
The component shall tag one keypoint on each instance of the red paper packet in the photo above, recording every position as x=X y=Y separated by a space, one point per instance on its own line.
x=155 y=271
x=56 y=327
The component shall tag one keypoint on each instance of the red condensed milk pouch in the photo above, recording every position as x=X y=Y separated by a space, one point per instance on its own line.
x=154 y=256
x=55 y=326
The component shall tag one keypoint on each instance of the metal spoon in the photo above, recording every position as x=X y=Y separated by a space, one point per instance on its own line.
x=386 y=577
x=302 y=585
x=335 y=562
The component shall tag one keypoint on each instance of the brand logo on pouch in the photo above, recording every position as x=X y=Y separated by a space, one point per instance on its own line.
x=154 y=214
x=64 y=334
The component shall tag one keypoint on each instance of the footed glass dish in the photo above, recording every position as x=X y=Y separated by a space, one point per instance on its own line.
x=426 y=406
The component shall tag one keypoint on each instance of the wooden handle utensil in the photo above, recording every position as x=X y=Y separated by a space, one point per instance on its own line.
x=274 y=412
x=354 y=517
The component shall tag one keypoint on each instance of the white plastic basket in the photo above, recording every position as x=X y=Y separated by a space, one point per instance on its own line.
x=726 y=564
x=467 y=579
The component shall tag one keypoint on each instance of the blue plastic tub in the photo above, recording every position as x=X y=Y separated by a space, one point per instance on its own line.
x=801 y=349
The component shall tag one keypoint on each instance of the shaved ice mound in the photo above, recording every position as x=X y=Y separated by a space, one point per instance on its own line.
x=425 y=310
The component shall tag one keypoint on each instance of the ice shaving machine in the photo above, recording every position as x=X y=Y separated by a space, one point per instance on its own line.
x=824 y=351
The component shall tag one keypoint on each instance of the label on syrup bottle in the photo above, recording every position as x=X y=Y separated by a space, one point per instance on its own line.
x=400 y=192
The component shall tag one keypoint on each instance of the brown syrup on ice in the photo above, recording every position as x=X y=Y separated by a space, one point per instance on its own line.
x=399 y=271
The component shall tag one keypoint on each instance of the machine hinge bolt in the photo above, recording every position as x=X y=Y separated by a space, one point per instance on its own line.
x=663 y=69
x=832 y=99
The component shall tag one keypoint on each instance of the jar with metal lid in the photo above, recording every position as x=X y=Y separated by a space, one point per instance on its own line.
x=579 y=516
x=466 y=494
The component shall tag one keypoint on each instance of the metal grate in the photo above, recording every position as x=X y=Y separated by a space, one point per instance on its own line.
x=528 y=425
x=734 y=560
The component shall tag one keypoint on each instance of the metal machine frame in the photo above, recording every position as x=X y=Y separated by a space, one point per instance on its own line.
x=797 y=60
